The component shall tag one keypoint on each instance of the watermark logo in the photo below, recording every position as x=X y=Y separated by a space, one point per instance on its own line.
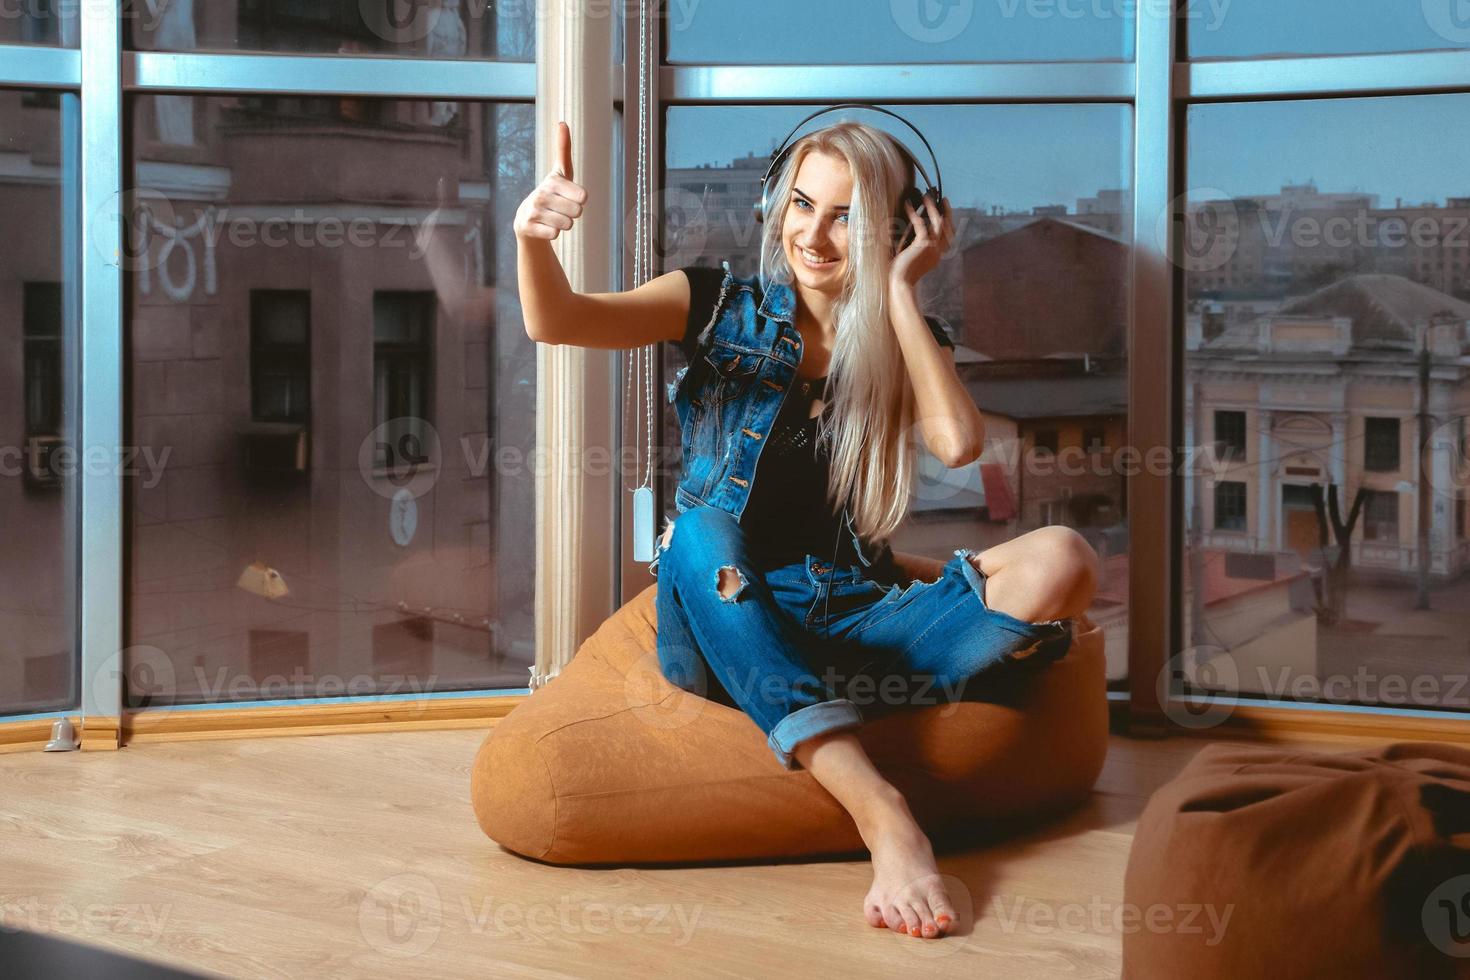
x=399 y=454
x=1213 y=674
x=665 y=703
x=1450 y=19
x=145 y=673
x=1445 y=917
x=1205 y=234
x=401 y=916
x=932 y=21
x=145 y=213
x=1444 y=467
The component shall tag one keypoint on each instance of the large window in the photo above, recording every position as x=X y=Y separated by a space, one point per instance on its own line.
x=327 y=498
x=1046 y=365
x=1273 y=28
x=1327 y=287
x=38 y=461
x=427 y=29
x=839 y=32
x=280 y=355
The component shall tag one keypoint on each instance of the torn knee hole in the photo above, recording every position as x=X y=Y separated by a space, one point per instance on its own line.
x=668 y=535
x=729 y=581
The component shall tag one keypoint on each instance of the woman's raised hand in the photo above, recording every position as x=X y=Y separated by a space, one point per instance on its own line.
x=557 y=201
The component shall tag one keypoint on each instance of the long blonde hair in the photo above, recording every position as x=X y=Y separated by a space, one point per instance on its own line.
x=871 y=399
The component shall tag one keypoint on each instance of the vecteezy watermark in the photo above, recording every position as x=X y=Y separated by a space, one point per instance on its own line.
x=157 y=233
x=1199 y=684
x=89 y=920
x=447 y=24
x=148 y=14
x=1208 y=228
x=150 y=678
x=932 y=21
x=226 y=684
x=400 y=455
x=63 y=461
x=646 y=687
x=1099 y=916
x=1445 y=917
x=1365 y=686
x=1450 y=19
x=1202 y=236
x=937 y=21
x=406 y=453
x=402 y=916
x=1212 y=671
x=144 y=672
x=1445 y=463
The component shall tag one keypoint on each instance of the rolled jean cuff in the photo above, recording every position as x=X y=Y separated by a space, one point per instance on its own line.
x=804 y=723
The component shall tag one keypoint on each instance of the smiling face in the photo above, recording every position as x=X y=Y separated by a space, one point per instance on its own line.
x=814 y=234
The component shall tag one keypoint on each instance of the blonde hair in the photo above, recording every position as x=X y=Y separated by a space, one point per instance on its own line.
x=871 y=403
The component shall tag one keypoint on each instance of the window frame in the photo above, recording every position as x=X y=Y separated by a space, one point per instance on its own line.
x=108 y=75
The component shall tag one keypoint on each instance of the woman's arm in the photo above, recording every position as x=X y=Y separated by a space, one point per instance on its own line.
x=952 y=427
x=554 y=313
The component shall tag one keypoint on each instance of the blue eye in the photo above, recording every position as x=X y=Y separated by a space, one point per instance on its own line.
x=805 y=204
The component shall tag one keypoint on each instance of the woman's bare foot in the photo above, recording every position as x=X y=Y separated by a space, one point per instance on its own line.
x=908 y=895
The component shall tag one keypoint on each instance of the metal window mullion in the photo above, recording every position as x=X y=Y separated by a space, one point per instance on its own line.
x=403 y=78
x=1077 y=81
x=99 y=474
x=34 y=66
x=1153 y=501
x=1408 y=73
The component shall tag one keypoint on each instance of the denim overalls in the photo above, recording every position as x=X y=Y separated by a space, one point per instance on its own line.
x=766 y=640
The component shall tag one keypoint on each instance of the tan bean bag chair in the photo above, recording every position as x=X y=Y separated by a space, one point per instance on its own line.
x=610 y=763
x=1258 y=861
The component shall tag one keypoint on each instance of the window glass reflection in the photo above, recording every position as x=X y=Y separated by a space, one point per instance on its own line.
x=39 y=468
x=1269 y=28
x=822 y=32
x=55 y=23
x=438 y=29
x=1034 y=292
x=335 y=395
x=1326 y=330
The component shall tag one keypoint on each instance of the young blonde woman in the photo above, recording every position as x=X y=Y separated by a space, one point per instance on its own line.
x=823 y=370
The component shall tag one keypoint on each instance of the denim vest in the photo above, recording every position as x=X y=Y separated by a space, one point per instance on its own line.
x=728 y=397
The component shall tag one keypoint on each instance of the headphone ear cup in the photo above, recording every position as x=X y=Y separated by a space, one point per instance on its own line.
x=914 y=199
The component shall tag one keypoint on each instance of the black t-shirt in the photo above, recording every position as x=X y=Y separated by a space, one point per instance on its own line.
x=788 y=515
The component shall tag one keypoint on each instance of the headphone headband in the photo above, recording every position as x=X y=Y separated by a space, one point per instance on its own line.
x=937 y=183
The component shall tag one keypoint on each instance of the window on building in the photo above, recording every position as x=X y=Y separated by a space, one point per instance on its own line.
x=1230 y=435
x=280 y=360
x=1230 y=505
x=1381 y=516
x=1044 y=442
x=1380 y=444
x=1094 y=440
x=402 y=327
x=41 y=315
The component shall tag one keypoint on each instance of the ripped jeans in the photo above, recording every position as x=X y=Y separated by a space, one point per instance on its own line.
x=806 y=649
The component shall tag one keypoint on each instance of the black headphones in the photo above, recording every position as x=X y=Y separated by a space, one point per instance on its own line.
x=911 y=194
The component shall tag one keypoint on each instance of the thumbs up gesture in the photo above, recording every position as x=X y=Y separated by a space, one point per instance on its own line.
x=557 y=201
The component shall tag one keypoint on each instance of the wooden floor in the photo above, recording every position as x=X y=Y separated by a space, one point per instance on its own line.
x=358 y=855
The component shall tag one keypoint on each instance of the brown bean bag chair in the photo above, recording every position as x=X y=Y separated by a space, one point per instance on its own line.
x=1258 y=861
x=610 y=763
